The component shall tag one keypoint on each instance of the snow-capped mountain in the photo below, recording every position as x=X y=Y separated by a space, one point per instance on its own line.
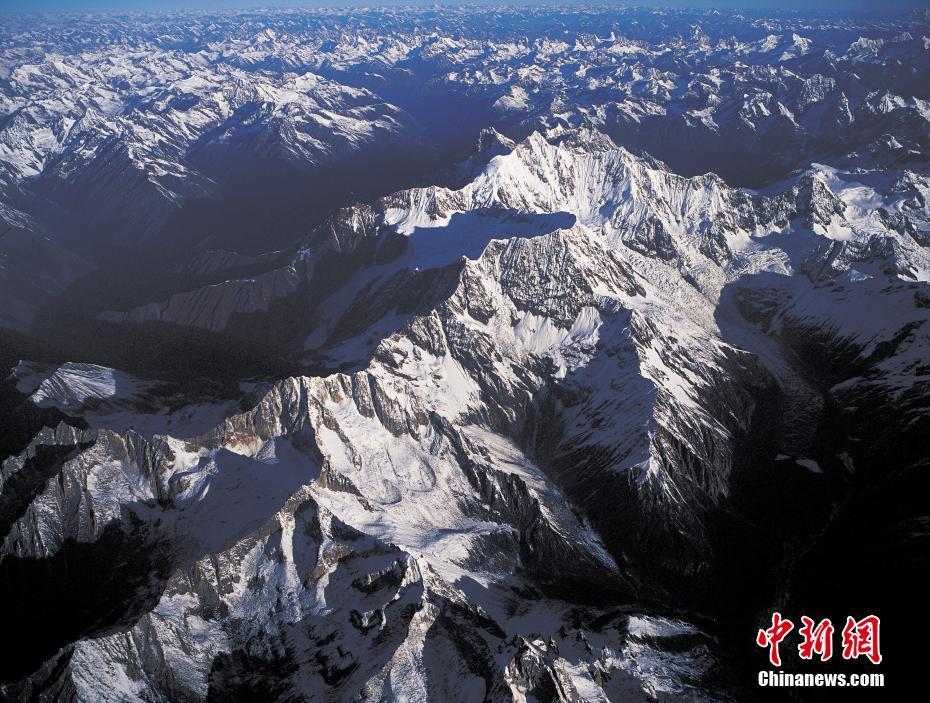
x=563 y=414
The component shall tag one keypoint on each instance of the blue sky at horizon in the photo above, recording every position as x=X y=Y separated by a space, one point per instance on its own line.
x=154 y=5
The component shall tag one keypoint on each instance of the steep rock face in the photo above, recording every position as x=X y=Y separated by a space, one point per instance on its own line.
x=699 y=229
x=340 y=611
x=344 y=615
x=458 y=512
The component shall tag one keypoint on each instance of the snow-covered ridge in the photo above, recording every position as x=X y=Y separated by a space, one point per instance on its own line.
x=72 y=385
x=825 y=223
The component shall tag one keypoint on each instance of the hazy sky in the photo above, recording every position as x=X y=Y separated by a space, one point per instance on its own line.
x=82 y=5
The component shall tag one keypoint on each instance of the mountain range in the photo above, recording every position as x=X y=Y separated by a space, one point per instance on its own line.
x=450 y=354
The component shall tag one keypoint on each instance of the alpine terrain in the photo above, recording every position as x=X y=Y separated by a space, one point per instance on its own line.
x=460 y=354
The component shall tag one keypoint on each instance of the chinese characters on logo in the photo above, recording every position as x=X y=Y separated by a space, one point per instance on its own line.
x=860 y=638
x=816 y=640
x=772 y=637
